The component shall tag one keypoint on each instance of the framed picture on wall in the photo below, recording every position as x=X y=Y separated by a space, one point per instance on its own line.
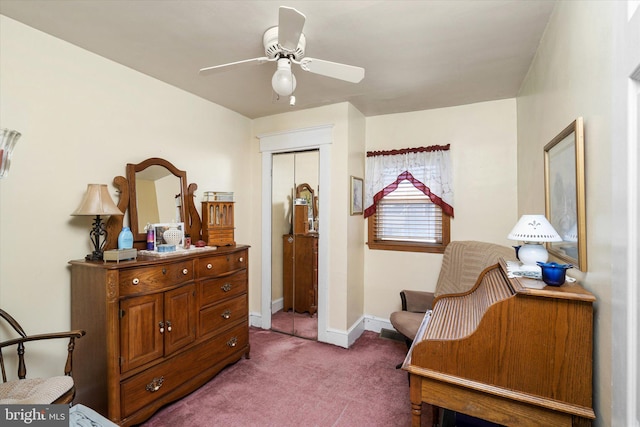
x=564 y=191
x=356 y=196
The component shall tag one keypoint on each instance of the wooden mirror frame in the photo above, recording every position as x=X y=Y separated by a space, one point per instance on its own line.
x=300 y=190
x=132 y=170
x=127 y=189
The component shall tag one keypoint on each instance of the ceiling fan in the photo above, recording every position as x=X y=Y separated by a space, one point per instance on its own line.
x=285 y=44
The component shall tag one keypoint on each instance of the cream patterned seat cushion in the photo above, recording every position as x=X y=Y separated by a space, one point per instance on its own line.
x=34 y=390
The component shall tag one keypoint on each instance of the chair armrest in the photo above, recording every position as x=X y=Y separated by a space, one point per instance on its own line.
x=22 y=368
x=55 y=335
x=416 y=301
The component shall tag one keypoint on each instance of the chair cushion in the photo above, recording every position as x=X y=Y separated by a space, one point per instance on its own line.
x=406 y=322
x=34 y=390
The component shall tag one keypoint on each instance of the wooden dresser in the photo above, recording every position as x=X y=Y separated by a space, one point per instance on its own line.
x=157 y=328
x=300 y=272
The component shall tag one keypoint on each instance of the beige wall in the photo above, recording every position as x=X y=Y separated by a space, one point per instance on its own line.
x=83 y=118
x=571 y=77
x=483 y=152
x=356 y=232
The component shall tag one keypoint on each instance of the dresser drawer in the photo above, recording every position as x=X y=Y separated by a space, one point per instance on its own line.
x=219 y=317
x=215 y=290
x=152 y=384
x=149 y=279
x=221 y=264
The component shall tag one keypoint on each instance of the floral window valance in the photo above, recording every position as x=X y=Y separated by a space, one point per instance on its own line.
x=427 y=168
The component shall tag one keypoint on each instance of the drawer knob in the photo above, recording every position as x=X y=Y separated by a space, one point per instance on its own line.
x=135 y=281
x=155 y=385
x=226 y=314
x=164 y=271
x=209 y=266
x=233 y=342
x=241 y=259
x=226 y=287
x=185 y=271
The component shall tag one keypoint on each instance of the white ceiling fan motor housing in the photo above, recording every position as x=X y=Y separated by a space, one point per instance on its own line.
x=272 y=48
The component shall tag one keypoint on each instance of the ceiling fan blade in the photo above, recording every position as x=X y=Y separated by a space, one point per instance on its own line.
x=234 y=65
x=289 y=28
x=335 y=70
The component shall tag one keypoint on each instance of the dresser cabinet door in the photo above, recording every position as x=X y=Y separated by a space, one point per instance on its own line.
x=179 y=318
x=141 y=330
x=156 y=325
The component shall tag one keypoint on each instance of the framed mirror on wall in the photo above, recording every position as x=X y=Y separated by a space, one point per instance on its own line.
x=564 y=185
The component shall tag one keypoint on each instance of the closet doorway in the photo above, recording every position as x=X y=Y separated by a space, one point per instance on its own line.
x=295 y=229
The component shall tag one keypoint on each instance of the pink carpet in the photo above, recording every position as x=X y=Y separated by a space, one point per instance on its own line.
x=299 y=324
x=291 y=381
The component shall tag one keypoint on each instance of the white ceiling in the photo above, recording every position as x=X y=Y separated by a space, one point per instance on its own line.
x=418 y=55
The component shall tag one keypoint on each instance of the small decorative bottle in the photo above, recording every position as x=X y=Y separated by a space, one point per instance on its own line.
x=125 y=239
x=151 y=237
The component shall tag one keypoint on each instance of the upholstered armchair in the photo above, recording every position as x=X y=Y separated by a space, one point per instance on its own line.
x=22 y=390
x=462 y=263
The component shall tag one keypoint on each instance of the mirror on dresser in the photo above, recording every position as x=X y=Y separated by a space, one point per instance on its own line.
x=154 y=191
x=157 y=190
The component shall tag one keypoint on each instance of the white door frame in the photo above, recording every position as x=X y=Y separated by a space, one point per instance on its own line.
x=625 y=245
x=319 y=138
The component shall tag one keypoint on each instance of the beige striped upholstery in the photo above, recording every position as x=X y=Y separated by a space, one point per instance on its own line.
x=463 y=262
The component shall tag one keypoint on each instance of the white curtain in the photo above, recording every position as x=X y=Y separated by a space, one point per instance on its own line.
x=427 y=168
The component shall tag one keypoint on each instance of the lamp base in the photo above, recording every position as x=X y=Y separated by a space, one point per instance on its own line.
x=98 y=229
x=94 y=256
x=530 y=253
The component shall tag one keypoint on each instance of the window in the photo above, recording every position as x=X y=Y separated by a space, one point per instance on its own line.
x=409 y=198
x=407 y=220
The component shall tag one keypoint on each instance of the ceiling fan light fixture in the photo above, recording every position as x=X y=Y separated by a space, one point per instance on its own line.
x=283 y=80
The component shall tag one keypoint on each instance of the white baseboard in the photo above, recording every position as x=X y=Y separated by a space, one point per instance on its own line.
x=376 y=324
x=339 y=337
x=255 y=320
x=277 y=305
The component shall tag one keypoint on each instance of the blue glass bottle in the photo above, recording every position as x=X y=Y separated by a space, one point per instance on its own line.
x=125 y=239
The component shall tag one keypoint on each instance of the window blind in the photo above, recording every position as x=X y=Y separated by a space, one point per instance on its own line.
x=406 y=214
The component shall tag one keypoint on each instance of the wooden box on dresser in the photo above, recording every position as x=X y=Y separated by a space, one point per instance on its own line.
x=157 y=328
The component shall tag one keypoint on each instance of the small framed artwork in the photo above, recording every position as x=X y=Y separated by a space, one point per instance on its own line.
x=356 y=196
x=564 y=192
x=168 y=234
